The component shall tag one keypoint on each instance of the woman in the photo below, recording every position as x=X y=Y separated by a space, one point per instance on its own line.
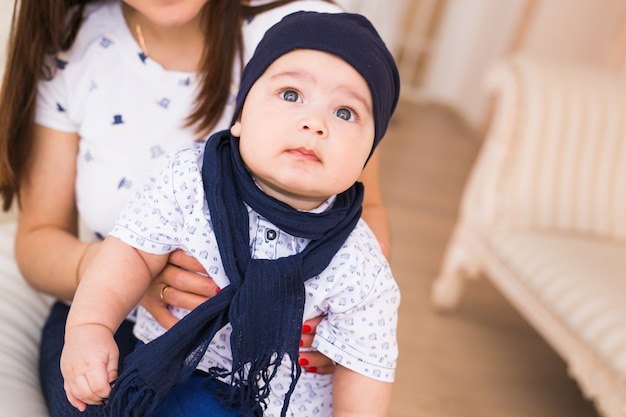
x=95 y=92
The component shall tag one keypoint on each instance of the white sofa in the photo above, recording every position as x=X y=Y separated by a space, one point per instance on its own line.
x=544 y=216
x=22 y=313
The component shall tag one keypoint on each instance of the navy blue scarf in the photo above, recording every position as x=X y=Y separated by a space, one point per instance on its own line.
x=264 y=302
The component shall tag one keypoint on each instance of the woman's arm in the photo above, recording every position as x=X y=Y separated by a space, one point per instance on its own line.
x=374 y=212
x=355 y=395
x=47 y=249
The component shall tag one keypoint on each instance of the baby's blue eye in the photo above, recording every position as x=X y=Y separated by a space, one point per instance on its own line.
x=290 y=95
x=345 y=114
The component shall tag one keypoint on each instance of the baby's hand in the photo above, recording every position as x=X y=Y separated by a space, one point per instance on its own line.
x=88 y=364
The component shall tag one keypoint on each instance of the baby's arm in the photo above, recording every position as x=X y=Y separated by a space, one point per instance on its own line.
x=112 y=285
x=355 y=395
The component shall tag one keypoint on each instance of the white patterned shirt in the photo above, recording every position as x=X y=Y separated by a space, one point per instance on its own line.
x=356 y=292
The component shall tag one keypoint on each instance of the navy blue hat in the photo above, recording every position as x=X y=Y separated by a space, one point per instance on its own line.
x=349 y=36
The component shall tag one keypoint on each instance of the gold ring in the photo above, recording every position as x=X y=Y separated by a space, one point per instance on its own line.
x=165 y=287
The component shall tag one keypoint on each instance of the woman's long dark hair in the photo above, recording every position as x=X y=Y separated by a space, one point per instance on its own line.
x=45 y=27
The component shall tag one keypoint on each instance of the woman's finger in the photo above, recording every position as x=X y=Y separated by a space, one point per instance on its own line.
x=158 y=309
x=306 y=341
x=313 y=361
x=186 y=281
x=181 y=260
x=310 y=325
x=179 y=288
x=182 y=298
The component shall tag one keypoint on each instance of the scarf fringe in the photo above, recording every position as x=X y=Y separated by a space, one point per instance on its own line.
x=134 y=398
x=250 y=387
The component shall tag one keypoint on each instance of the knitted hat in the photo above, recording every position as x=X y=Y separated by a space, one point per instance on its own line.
x=348 y=36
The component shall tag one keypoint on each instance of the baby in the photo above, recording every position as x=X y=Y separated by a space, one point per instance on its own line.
x=271 y=208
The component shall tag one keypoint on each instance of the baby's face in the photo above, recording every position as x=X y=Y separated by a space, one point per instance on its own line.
x=306 y=128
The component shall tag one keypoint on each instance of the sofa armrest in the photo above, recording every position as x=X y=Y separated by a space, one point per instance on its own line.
x=554 y=157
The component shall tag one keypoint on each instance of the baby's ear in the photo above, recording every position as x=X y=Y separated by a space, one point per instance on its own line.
x=235 y=129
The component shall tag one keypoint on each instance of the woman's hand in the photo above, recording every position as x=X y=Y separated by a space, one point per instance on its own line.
x=183 y=283
x=310 y=359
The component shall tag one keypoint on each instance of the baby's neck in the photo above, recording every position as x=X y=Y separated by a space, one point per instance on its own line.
x=297 y=201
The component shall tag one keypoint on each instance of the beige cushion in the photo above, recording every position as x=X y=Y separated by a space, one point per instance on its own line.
x=581 y=281
x=22 y=312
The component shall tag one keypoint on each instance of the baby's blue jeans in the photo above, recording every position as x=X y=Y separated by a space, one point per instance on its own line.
x=195 y=398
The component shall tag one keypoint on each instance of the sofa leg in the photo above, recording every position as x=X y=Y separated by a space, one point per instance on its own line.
x=458 y=266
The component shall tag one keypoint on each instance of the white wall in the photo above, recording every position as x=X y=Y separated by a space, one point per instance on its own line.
x=475 y=33
x=384 y=15
x=6 y=12
x=581 y=30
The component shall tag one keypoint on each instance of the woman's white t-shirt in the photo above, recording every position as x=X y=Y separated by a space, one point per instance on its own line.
x=127 y=109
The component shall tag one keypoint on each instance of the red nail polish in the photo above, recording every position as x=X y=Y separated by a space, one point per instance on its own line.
x=301 y=342
x=306 y=328
x=303 y=361
x=311 y=369
x=217 y=290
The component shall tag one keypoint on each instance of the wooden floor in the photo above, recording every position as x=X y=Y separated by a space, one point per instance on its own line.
x=482 y=360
